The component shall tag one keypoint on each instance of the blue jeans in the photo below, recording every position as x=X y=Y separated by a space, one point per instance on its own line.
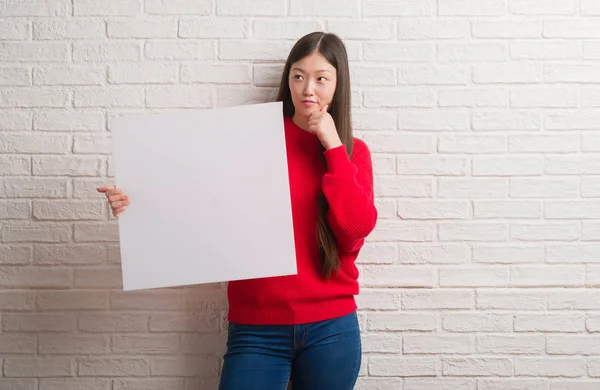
x=322 y=355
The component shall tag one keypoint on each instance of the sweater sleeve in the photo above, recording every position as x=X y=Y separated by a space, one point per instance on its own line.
x=348 y=188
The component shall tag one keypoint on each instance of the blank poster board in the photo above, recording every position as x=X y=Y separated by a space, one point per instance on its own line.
x=209 y=194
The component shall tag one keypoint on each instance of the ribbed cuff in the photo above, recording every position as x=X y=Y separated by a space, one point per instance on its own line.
x=338 y=160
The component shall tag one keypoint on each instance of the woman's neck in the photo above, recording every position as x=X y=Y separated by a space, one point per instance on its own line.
x=300 y=121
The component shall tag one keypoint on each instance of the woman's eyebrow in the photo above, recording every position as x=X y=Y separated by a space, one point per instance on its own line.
x=318 y=71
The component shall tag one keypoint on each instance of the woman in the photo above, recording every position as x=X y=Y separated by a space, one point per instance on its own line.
x=303 y=328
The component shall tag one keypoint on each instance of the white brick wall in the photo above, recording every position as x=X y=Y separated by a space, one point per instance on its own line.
x=483 y=120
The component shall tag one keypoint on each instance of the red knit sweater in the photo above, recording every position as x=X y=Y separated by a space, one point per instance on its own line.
x=348 y=187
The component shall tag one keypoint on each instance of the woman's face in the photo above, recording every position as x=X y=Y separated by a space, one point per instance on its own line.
x=312 y=83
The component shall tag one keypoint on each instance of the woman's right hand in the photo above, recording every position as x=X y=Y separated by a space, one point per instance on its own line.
x=117 y=199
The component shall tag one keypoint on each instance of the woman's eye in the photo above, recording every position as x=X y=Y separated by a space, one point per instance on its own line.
x=322 y=79
x=297 y=77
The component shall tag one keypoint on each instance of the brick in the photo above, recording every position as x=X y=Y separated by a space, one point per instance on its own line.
x=573 y=73
x=576 y=165
x=38 y=322
x=396 y=276
x=392 y=8
x=474 y=277
x=215 y=28
x=38 y=97
x=386 y=208
x=507 y=73
x=373 y=119
x=18 y=384
x=97 y=232
x=86 y=187
x=543 y=7
x=566 y=253
x=447 y=74
x=68 y=29
x=38 y=367
x=472 y=7
x=399 y=143
x=372 y=76
x=106 y=7
x=437 y=119
x=432 y=165
x=473 y=366
x=15 y=30
x=267 y=75
x=469 y=231
x=572 y=209
x=15 y=254
x=545 y=232
x=466 y=322
x=29 y=143
x=178 y=50
x=30 y=277
x=508 y=299
x=545 y=50
x=473 y=97
x=560 y=143
x=103 y=51
x=145 y=344
x=472 y=188
x=547 y=276
x=467 y=51
x=14 y=210
x=202 y=366
x=17 y=344
x=505 y=344
x=544 y=187
x=569 y=322
x=439 y=384
x=75 y=384
x=439 y=209
x=13 y=165
x=437 y=299
x=147 y=72
x=592 y=275
x=402 y=321
x=148 y=384
x=67 y=120
x=506 y=120
x=258 y=8
x=473 y=144
x=377 y=254
x=35 y=232
x=174 y=7
x=16 y=300
x=92 y=144
x=590 y=7
x=253 y=50
x=513 y=384
x=398 y=51
x=507 y=166
x=390 y=232
x=72 y=344
x=113 y=96
x=571 y=28
x=15 y=120
x=508 y=254
x=72 y=300
x=69 y=75
x=378 y=300
x=284 y=29
x=507 y=29
x=183 y=323
x=550 y=366
x=147 y=300
x=228 y=96
x=367 y=30
x=113 y=367
x=507 y=209
x=204 y=343
x=221 y=74
x=574 y=300
x=179 y=96
x=36 y=187
x=573 y=384
x=441 y=253
x=591 y=50
x=424 y=29
x=33 y=8
x=400 y=97
x=113 y=322
x=104 y=278
x=590 y=97
x=142 y=29
x=34 y=52
x=68 y=166
x=437 y=344
x=318 y=8
x=592 y=323
x=403 y=366
x=381 y=342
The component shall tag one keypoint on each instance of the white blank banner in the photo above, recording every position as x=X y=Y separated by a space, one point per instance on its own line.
x=209 y=195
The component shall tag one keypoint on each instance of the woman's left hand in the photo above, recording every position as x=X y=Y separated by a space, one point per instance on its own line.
x=321 y=123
